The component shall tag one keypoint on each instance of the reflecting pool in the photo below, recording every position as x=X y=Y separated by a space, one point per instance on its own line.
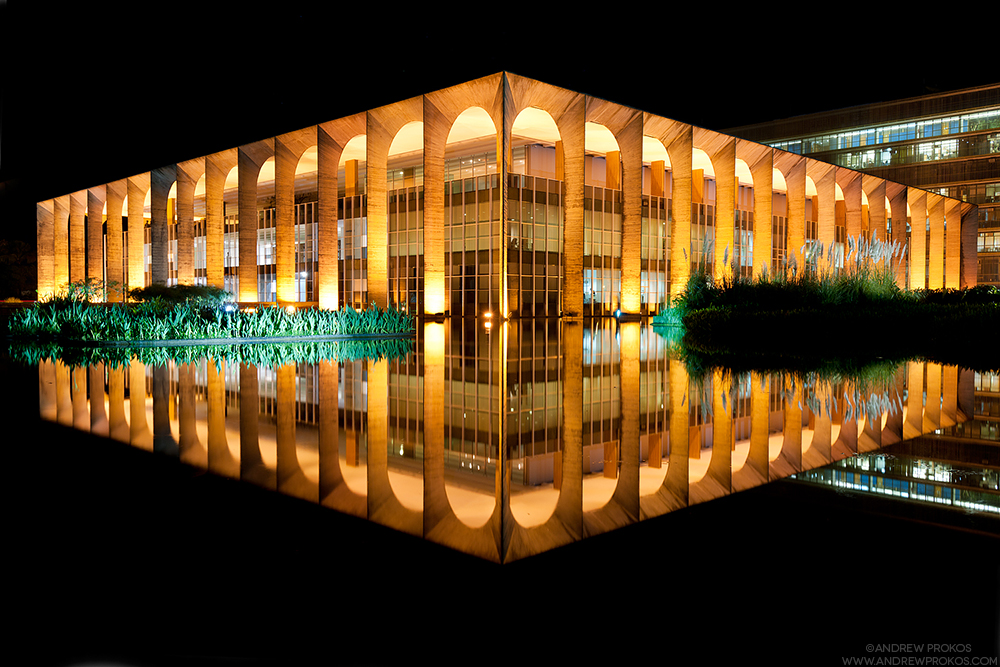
x=504 y=441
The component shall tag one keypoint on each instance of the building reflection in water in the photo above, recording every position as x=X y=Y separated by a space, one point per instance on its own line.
x=507 y=440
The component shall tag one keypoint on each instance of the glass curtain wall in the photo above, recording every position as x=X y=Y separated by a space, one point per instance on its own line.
x=352 y=250
x=657 y=214
x=406 y=248
x=535 y=245
x=405 y=192
x=534 y=400
x=742 y=257
x=472 y=216
x=602 y=250
x=306 y=250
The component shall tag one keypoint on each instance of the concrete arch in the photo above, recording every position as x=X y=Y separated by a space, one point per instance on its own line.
x=162 y=181
x=188 y=175
x=473 y=130
x=721 y=152
x=289 y=150
x=138 y=194
x=335 y=139
x=221 y=174
x=760 y=174
x=568 y=110
x=383 y=126
x=626 y=127
x=250 y=162
x=824 y=212
x=117 y=193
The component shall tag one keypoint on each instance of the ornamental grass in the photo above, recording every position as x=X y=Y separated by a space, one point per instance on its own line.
x=72 y=317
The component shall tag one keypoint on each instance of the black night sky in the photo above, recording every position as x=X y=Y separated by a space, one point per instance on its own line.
x=93 y=93
x=97 y=91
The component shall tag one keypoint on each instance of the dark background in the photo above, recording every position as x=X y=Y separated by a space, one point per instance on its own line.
x=167 y=566
x=94 y=92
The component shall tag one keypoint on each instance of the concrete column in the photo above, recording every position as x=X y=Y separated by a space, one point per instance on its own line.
x=115 y=263
x=60 y=242
x=824 y=176
x=677 y=139
x=250 y=159
x=504 y=120
x=188 y=174
x=95 y=232
x=630 y=141
x=161 y=181
x=437 y=125
x=953 y=244
x=77 y=236
x=138 y=186
x=969 y=254
x=917 y=200
x=331 y=139
x=217 y=168
x=571 y=124
x=874 y=189
x=850 y=184
x=793 y=168
x=327 y=288
x=722 y=151
x=288 y=150
x=935 y=269
x=382 y=125
x=761 y=161
x=45 y=228
x=897 y=196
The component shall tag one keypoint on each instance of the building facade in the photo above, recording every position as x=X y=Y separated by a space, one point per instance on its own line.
x=502 y=195
x=946 y=143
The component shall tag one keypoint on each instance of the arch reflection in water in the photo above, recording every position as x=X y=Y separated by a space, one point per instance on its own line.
x=508 y=440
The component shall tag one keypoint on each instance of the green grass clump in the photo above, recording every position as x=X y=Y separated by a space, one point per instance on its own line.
x=189 y=314
x=792 y=317
x=257 y=354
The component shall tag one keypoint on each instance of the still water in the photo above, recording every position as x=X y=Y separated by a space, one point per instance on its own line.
x=507 y=441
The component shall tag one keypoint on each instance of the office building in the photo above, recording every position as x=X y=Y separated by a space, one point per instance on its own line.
x=946 y=143
x=502 y=195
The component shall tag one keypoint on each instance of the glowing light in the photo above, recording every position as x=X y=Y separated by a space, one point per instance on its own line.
x=289 y=309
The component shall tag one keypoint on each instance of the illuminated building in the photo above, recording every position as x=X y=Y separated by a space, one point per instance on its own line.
x=502 y=195
x=947 y=143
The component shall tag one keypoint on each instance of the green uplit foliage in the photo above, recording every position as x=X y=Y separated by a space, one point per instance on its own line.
x=268 y=354
x=73 y=318
x=762 y=321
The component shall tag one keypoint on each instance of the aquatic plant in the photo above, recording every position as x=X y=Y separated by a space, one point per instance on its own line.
x=74 y=319
x=258 y=354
